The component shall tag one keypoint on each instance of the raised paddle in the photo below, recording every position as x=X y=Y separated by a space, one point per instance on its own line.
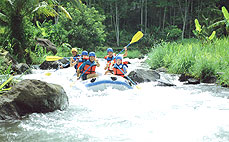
x=130 y=79
x=135 y=38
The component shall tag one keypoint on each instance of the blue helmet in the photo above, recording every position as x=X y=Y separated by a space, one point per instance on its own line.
x=119 y=57
x=85 y=53
x=92 y=54
x=109 y=50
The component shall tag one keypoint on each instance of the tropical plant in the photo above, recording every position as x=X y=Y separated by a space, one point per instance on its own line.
x=201 y=32
x=222 y=22
x=13 y=13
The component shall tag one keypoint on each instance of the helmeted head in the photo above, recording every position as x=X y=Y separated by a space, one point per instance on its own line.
x=74 y=51
x=110 y=51
x=119 y=60
x=92 y=56
x=84 y=53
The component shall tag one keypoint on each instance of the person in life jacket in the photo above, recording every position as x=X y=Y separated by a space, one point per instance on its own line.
x=122 y=70
x=84 y=58
x=111 y=57
x=73 y=59
x=89 y=67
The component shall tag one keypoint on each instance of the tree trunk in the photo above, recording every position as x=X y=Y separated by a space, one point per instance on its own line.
x=184 y=16
x=116 y=23
x=190 y=21
x=18 y=36
x=163 y=23
x=142 y=1
x=145 y=16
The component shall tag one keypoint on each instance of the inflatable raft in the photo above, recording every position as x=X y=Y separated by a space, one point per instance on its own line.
x=103 y=82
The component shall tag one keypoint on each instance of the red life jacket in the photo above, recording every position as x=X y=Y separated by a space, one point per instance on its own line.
x=81 y=61
x=117 y=71
x=91 y=70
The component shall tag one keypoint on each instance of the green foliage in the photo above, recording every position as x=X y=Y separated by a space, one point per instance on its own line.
x=86 y=29
x=38 y=55
x=225 y=13
x=202 y=34
x=192 y=58
x=198 y=26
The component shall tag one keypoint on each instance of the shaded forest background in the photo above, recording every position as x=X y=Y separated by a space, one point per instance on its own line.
x=93 y=24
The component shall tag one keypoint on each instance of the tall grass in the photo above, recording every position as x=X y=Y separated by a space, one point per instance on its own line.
x=193 y=58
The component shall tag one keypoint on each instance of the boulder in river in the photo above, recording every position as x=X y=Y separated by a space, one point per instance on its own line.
x=53 y=64
x=209 y=79
x=141 y=75
x=32 y=96
x=49 y=65
x=193 y=81
x=22 y=68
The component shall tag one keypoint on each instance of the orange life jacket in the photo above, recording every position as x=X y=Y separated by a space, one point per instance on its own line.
x=81 y=61
x=91 y=70
x=117 y=71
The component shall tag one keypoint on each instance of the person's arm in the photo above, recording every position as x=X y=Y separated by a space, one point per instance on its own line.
x=73 y=61
x=125 y=54
x=97 y=63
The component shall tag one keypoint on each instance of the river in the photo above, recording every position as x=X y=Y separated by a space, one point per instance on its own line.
x=183 y=113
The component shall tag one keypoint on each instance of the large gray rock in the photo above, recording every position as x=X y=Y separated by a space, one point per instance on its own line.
x=49 y=65
x=32 y=96
x=141 y=75
x=53 y=64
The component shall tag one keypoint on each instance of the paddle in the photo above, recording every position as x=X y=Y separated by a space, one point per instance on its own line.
x=129 y=79
x=135 y=38
x=55 y=58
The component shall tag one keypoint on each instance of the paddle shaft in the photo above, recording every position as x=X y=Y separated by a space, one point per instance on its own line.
x=127 y=77
x=121 y=52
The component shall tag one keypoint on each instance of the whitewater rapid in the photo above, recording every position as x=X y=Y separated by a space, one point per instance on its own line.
x=183 y=113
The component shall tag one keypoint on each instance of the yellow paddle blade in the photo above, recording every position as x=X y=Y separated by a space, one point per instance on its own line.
x=138 y=87
x=136 y=37
x=7 y=81
x=53 y=58
x=48 y=74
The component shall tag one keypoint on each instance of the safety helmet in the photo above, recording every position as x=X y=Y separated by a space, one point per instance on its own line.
x=119 y=57
x=74 y=49
x=92 y=54
x=109 y=50
x=85 y=53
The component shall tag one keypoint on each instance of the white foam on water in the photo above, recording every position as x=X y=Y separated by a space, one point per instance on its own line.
x=152 y=113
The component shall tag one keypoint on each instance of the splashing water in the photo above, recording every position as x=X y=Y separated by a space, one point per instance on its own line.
x=161 y=114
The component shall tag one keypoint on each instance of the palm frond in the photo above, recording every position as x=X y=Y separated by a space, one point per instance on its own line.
x=46 y=9
x=65 y=12
x=216 y=24
x=3 y=18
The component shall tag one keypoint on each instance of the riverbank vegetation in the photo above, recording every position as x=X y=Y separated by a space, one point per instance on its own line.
x=194 y=58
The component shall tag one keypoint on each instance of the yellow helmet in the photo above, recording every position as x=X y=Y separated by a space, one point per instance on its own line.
x=74 y=49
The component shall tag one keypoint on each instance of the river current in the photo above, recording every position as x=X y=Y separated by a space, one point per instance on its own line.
x=183 y=113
